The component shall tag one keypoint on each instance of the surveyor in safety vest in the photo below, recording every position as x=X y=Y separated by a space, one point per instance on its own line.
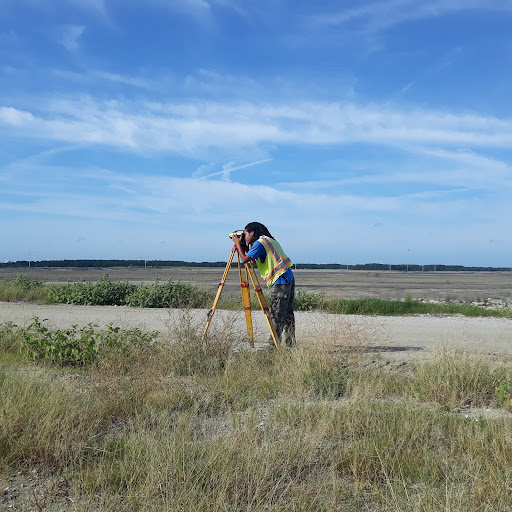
x=275 y=268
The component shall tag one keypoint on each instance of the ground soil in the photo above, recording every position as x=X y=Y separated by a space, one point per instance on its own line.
x=402 y=338
x=349 y=284
x=387 y=342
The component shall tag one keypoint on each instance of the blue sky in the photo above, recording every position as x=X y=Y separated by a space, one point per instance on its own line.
x=356 y=131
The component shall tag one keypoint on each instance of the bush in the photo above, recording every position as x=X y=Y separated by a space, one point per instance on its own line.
x=119 y=293
x=103 y=293
x=169 y=295
x=307 y=301
x=80 y=346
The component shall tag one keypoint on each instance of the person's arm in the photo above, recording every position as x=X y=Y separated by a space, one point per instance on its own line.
x=242 y=249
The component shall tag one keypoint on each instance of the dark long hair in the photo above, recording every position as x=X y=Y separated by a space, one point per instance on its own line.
x=259 y=229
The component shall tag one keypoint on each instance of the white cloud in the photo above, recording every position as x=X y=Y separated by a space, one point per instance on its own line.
x=69 y=36
x=185 y=128
x=379 y=16
x=14 y=117
x=156 y=207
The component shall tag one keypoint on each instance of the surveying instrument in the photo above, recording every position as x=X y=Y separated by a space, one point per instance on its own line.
x=246 y=297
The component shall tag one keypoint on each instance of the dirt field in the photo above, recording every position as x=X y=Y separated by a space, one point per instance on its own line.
x=349 y=284
x=393 y=338
x=398 y=338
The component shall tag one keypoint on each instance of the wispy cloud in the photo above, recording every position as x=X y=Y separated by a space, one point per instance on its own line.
x=96 y=6
x=435 y=67
x=375 y=17
x=200 y=10
x=69 y=36
x=184 y=128
x=227 y=169
x=97 y=76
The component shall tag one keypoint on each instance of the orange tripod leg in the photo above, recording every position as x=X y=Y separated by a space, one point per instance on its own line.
x=263 y=302
x=246 y=300
x=217 y=297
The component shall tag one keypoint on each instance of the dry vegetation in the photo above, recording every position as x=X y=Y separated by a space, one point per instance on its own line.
x=171 y=425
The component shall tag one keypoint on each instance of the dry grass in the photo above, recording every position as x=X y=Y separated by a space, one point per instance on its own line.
x=185 y=427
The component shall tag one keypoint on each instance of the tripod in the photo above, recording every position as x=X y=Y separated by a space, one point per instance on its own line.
x=246 y=299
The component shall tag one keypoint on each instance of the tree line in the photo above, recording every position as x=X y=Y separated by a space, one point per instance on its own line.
x=176 y=263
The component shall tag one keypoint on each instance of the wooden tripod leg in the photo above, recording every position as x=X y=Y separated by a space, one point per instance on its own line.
x=246 y=300
x=263 y=302
x=217 y=297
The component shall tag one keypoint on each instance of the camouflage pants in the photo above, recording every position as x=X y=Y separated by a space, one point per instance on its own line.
x=281 y=311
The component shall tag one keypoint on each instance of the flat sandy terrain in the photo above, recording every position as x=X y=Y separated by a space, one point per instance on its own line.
x=394 y=337
x=400 y=338
x=349 y=284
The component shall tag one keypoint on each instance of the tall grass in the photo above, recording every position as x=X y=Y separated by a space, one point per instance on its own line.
x=22 y=288
x=186 y=427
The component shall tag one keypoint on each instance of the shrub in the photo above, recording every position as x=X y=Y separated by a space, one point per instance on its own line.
x=103 y=293
x=80 y=346
x=169 y=295
x=307 y=301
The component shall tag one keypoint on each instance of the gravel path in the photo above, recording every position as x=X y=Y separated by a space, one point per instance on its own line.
x=401 y=337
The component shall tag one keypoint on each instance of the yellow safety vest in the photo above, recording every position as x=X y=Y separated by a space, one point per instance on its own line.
x=276 y=262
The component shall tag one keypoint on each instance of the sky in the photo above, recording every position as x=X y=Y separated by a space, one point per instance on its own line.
x=356 y=131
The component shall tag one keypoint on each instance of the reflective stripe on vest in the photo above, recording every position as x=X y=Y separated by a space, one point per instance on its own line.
x=276 y=263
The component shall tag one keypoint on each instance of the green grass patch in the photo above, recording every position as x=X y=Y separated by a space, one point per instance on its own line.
x=22 y=288
x=306 y=301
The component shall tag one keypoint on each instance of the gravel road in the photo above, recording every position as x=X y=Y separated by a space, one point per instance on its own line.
x=398 y=337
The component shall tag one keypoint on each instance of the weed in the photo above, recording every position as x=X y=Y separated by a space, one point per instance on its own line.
x=456 y=380
x=11 y=338
x=68 y=346
x=22 y=288
x=503 y=393
x=80 y=346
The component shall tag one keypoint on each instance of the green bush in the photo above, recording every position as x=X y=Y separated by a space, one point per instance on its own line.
x=103 y=293
x=26 y=283
x=119 y=293
x=169 y=295
x=80 y=346
x=307 y=301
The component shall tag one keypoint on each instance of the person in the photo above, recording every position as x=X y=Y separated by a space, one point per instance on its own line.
x=275 y=268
